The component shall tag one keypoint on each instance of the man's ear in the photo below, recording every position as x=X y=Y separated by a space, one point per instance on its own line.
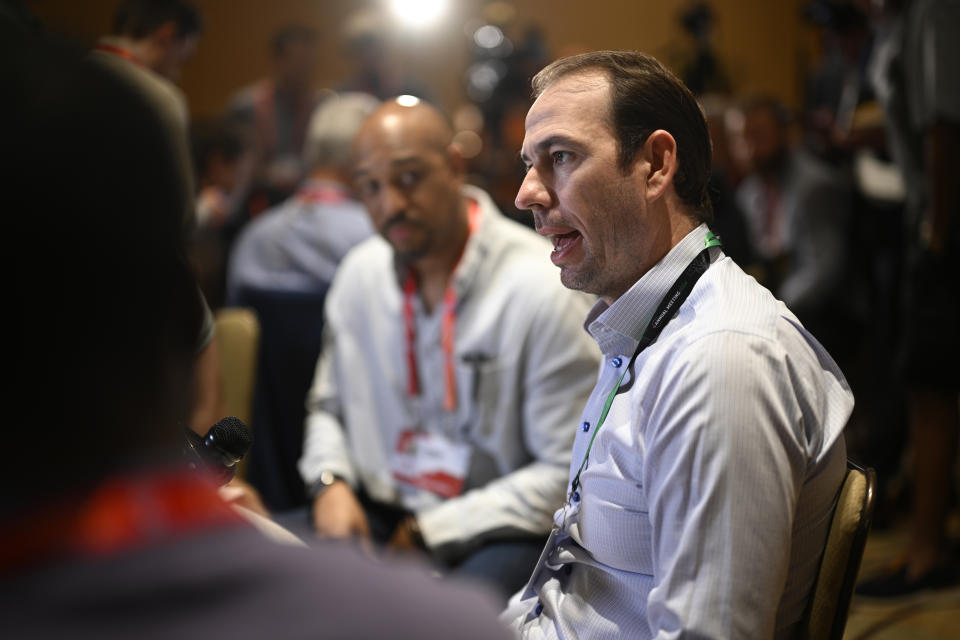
x=660 y=150
x=454 y=156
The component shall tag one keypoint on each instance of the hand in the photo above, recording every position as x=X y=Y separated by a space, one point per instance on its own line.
x=337 y=514
x=242 y=493
x=406 y=537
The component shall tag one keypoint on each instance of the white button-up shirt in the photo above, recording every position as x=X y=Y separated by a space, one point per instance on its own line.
x=707 y=495
x=523 y=368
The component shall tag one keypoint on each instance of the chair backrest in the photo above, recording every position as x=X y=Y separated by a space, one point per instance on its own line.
x=238 y=337
x=291 y=332
x=826 y=614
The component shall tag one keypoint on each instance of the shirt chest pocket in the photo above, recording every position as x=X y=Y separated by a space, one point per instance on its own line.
x=480 y=394
x=614 y=521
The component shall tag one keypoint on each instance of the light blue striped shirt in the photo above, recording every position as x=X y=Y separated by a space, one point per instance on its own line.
x=704 y=505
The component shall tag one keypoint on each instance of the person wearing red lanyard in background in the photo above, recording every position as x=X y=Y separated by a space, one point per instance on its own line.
x=152 y=40
x=447 y=393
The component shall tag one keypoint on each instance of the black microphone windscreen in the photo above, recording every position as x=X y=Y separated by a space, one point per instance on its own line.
x=232 y=436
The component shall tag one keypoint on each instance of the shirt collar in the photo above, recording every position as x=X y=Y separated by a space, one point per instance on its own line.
x=479 y=244
x=617 y=328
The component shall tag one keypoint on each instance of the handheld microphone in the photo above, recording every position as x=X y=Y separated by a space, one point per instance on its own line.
x=219 y=451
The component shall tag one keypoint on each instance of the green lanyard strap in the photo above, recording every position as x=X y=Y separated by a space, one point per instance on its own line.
x=666 y=310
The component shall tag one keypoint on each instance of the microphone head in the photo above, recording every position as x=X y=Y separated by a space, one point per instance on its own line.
x=231 y=437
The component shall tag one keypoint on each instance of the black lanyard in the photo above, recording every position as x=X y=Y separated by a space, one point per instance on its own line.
x=666 y=310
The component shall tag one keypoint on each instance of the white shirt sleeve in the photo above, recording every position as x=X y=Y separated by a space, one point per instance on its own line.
x=723 y=475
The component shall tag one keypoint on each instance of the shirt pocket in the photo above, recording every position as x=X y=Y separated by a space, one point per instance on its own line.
x=614 y=520
x=480 y=396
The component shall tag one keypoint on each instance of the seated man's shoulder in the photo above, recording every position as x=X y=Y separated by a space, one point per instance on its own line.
x=362 y=281
x=738 y=327
x=369 y=261
x=727 y=300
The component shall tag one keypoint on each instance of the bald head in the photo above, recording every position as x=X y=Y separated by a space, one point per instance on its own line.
x=409 y=176
x=394 y=123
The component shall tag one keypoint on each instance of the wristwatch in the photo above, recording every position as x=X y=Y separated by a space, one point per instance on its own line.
x=324 y=482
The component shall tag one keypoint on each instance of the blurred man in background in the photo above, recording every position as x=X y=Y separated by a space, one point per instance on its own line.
x=916 y=81
x=274 y=113
x=798 y=213
x=453 y=366
x=298 y=245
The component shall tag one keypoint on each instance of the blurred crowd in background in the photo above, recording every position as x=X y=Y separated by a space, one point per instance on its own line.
x=808 y=200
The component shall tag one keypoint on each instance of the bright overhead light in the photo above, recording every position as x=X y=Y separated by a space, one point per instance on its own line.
x=418 y=13
x=408 y=100
x=488 y=37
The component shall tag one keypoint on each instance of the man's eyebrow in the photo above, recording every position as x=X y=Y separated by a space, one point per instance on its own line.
x=406 y=160
x=548 y=142
x=396 y=162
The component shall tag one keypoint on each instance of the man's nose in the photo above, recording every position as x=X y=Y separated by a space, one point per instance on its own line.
x=391 y=201
x=533 y=194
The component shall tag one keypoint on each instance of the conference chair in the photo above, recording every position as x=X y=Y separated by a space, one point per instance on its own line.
x=291 y=330
x=826 y=615
x=238 y=337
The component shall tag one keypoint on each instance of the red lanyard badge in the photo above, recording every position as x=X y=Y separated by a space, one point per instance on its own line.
x=449 y=324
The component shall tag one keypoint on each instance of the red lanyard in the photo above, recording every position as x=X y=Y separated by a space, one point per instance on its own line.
x=121 y=514
x=449 y=324
x=123 y=53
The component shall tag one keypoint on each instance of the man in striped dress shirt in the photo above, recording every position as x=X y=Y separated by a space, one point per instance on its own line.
x=709 y=454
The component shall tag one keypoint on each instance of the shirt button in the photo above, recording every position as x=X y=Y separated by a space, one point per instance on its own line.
x=537 y=610
x=576 y=496
x=616 y=362
x=585 y=426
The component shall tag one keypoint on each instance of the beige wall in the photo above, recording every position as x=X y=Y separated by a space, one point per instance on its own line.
x=761 y=42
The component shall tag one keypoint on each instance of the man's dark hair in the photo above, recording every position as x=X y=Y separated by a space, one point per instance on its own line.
x=289 y=35
x=647 y=97
x=140 y=18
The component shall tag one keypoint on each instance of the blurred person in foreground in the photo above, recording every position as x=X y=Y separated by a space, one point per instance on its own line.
x=104 y=532
x=282 y=266
x=703 y=479
x=453 y=366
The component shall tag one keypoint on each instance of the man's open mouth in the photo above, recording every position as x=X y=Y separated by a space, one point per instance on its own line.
x=565 y=241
